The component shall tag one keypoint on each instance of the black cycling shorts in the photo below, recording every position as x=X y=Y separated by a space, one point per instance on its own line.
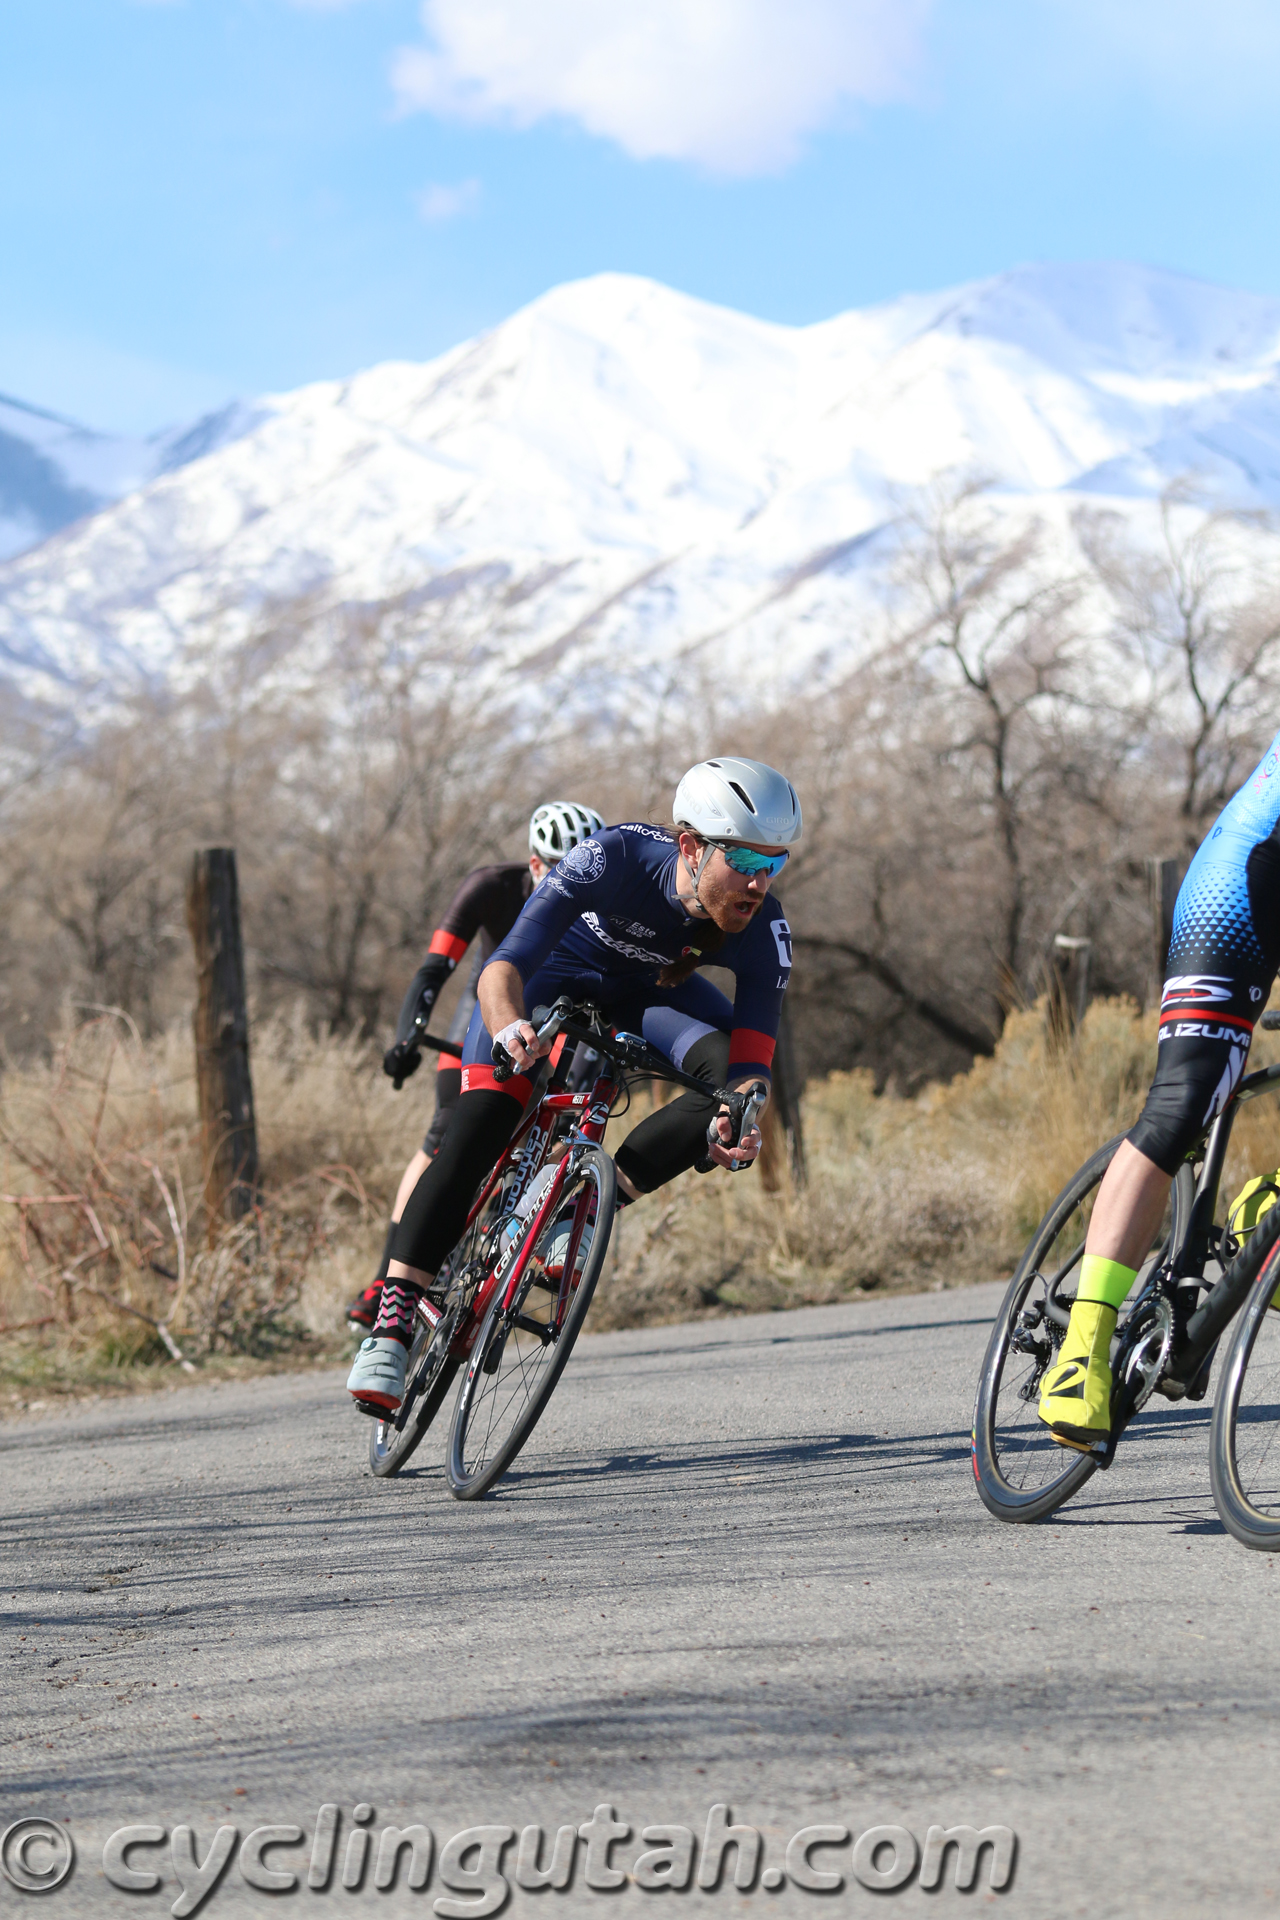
x=1223 y=958
x=448 y=1088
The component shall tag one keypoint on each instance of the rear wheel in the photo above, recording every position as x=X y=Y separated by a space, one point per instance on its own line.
x=432 y=1365
x=522 y=1348
x=428 y=1378
x=1021 y=1471
x=1244 y=1457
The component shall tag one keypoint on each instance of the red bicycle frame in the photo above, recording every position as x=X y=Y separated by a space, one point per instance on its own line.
x=542 y=1118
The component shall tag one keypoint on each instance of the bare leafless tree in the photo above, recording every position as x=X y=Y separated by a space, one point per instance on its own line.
x=1029 y=715
x=1197 y=614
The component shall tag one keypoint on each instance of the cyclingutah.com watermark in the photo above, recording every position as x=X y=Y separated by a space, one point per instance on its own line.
x=476 y=1869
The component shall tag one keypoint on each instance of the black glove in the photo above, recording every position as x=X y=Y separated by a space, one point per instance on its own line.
x=421 y=997
x=400 y=1063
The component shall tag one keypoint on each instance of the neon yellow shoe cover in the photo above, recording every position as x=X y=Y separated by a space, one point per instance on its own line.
x=1075 y=1394
x=1255 y=1198
x=1105 y=1280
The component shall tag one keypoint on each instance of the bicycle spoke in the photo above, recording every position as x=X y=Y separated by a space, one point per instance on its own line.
x=515 y=1366
x=1021 y=1471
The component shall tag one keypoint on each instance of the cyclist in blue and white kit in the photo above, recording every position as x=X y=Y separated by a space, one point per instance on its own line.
x=625 y=920
x=1223 y=958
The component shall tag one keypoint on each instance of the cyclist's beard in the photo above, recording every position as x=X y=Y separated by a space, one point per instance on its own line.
x=706 y=937
x=730 y=907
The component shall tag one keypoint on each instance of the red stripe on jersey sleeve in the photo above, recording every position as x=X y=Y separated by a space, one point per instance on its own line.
x=1197 y=1010
x=448 y=944
x=748 y=1048
x=479 y=1079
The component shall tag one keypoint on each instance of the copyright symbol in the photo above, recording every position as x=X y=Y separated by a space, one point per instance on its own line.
x=36 y=1855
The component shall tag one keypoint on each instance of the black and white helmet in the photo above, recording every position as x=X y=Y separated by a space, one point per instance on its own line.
x=730 y=799
x=558 y=825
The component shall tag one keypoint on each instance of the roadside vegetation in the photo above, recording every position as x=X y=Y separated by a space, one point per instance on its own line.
x=1029 y=714
x=110 y=1279
x=1032 y=718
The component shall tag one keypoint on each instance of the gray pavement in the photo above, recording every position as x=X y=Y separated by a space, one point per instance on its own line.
x=743 y=1563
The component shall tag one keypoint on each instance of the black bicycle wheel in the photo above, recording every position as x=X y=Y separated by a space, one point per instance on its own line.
x=521 y=1351
x=432 y=1366
x=1021 y=1471
x=1244 y=1452
x=428 y=1378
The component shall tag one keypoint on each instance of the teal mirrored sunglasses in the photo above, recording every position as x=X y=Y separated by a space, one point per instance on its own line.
x=747 y=860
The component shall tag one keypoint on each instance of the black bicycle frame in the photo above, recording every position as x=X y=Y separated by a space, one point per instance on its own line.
x=1190 y=1242
x=1227 y=1296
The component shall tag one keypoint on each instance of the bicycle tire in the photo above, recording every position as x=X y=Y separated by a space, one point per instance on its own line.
x=432 y=1366
x=391 y=1446
x=1244 y=1457
x=513 y=1369
x=1044 y=1473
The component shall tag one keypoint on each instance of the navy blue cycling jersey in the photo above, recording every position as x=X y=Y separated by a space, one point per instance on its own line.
x=608 y=919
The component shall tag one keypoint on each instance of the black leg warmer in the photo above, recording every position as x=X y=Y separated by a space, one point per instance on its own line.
x=671 y=1139
x=436 y=1211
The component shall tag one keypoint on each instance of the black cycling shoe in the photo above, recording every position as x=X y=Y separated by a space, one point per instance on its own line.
x=363 y=1311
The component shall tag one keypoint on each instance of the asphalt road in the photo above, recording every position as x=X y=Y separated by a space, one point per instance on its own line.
x=743 y=1563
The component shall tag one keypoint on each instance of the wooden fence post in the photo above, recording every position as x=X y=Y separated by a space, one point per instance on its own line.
x=1164 y=877
x=1068 y=987
x=228 y=1134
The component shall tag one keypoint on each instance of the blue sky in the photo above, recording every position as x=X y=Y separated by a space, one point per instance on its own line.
x=201 y=198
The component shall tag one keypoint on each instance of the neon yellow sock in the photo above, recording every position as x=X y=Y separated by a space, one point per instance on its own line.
x=1105 y=1281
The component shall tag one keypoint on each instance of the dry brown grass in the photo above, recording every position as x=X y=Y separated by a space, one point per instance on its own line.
x=107 y=1266
x=104 y=1246
x=906 y=1195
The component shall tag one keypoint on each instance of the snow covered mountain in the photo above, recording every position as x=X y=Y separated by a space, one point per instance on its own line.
x=54 y=472
x=622 y=472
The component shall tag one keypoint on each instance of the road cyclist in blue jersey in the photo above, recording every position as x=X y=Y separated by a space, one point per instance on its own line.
x=1223 y=957
x=625 y=921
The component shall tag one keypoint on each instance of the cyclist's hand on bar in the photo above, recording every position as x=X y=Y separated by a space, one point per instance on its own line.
x=400 y=1061
x=740 y=1156
x=521 y=1042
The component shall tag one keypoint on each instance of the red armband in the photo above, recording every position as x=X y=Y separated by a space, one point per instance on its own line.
x=448 y=944
x=747 y=1048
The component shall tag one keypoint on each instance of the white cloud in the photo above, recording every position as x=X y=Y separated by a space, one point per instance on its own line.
x=437 y=202
x=734 y=85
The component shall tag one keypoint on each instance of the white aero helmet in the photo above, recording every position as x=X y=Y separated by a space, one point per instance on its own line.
x=729 y=799
x=558 y=825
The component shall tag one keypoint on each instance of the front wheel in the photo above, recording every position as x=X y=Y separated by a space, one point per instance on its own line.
x=522 y=1347
x=1244 y=1454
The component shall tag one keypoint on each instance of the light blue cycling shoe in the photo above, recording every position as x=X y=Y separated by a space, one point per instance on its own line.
x=376 y=1382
